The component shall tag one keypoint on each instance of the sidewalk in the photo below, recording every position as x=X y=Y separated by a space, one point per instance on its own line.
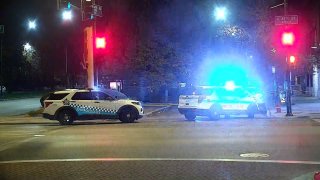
x=308 y=107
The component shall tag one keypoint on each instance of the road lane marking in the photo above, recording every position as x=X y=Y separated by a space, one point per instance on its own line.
x=254 y=155
x=38 y=135
x=162 y=159
x=316 y=120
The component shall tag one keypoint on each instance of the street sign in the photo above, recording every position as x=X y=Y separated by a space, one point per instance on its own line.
x=1 y=29
x=97 y=10
x=289 y=19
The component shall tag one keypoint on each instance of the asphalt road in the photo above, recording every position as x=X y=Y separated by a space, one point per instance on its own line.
x=161 y=146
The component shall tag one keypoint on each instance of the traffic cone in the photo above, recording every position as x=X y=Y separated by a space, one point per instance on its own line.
x=316 y=176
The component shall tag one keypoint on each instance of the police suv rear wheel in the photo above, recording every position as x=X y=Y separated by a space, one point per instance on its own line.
x=66 y=117
x=128 y=115
x=251 y=115
x=251 y=111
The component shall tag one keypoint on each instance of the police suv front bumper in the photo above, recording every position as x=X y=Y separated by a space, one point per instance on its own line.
x=48 y=116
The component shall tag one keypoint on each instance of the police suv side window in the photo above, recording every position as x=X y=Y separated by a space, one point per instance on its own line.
x=82 y=96
x=101 y=96
x=58 y=96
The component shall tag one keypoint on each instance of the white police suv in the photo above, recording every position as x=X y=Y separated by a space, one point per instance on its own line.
x=226 y=100
x=73 y=104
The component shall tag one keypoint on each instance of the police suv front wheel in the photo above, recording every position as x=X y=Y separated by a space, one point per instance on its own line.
x=128 y=115
x=190 y=116
x=214 y=113
x=66 y=117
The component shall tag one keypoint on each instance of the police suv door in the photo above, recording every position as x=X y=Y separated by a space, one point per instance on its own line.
x=82 y=102
x=106 y=103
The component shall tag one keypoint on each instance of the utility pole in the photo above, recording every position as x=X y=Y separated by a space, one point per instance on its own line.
x=89 y=55
x=90 y=34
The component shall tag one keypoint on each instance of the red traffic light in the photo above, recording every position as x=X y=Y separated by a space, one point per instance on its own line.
x=292 y=59
x=101 y=42
x=287 y=38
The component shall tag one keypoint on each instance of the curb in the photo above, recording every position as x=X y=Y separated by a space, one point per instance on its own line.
x=157 y=111
x=158 y=104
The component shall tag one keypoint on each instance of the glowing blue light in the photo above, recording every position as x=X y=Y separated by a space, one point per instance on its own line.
x=219 y=69
x=230 y=86
x=223 y=73
x=220 y=13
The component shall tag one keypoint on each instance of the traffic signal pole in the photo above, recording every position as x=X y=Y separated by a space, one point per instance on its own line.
x=288 y=73
x=287 y=39
x=288 y=92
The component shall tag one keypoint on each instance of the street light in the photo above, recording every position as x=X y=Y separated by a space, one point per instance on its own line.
x=27 y=47
x=220 y=13
x=32 y=24
x=67 y=15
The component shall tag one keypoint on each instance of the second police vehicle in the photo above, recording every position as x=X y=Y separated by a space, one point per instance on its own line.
x=214 y=101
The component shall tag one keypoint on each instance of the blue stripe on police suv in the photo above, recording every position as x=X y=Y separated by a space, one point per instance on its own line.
x=82 y=110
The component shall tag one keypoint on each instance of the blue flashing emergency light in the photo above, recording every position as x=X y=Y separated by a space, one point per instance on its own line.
x=230 y=86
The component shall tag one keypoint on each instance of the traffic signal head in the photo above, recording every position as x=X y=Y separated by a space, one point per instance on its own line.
x=87 y=10
x=292 y=59
x=101 y=43
x=64 y=4
x=287 y=38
